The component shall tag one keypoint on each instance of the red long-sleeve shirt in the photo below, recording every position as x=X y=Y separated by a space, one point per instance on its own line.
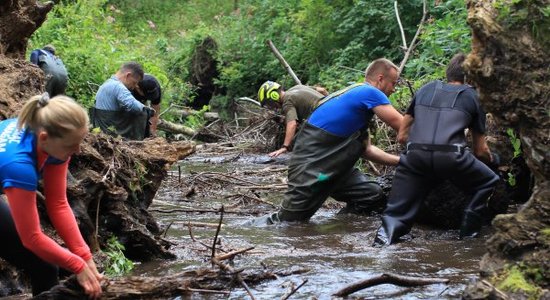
x=25 y=215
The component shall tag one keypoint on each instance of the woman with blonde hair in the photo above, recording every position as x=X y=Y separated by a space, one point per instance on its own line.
x=39 y=144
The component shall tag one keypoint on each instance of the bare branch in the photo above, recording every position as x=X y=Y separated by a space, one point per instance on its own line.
x=412 y=45
x=249 y=100
x=283 y=62
x=400 y=26
x=388 y=278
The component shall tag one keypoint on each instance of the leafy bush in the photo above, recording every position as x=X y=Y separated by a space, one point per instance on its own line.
x=325 y=42
x=446 y=34
x=117 y=264
x=93 y=44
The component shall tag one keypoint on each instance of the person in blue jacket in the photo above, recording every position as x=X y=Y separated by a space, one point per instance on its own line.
x=56 y=73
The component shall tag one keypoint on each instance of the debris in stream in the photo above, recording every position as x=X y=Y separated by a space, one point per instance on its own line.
x=387 y=278
x=198 y=281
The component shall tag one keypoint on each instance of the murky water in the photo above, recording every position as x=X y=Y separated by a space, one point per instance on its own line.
x=336 y=249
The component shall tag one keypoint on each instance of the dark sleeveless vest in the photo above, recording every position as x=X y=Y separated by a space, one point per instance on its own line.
x=437 y=119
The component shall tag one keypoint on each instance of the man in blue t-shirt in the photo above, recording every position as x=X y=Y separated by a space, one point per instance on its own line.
x=332 y=141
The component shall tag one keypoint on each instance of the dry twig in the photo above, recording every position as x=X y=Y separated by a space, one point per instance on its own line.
x=233 y=254
x=294 y=290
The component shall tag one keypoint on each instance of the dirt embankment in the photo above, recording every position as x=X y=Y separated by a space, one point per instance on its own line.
x=509 y=65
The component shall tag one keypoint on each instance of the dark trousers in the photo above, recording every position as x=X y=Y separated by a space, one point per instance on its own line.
x=56 y=85
x=322 y=165
x=129 y=125
x=43 y=275
x=419 y=171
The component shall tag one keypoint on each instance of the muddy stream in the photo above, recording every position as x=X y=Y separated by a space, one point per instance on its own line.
x=332 y=251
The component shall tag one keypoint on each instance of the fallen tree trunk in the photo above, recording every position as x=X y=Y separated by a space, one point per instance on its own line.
x=201 y=134
x=186 y=112
x=175 y=128
x=199 y=281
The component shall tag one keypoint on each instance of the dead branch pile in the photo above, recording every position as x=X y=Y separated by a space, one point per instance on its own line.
x=256 y=128
x=220 y=278
x=245 y=189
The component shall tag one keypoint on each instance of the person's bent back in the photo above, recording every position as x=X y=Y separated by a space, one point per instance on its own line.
x=116 y=111
x=56 y=73
x=39 y=144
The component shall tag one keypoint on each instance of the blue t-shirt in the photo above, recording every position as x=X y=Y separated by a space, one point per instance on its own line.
x=18 y=157
x=349 y=112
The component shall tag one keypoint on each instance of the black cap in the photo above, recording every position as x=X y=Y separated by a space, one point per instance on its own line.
x=151 y=88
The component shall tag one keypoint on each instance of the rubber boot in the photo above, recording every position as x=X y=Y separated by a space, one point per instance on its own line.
x=471 y=224
x=390 y=231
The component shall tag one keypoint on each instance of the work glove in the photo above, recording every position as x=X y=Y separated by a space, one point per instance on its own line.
x=150 y=112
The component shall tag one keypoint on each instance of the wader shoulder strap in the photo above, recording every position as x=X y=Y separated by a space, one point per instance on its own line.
x=335 y=94
x=437 y=88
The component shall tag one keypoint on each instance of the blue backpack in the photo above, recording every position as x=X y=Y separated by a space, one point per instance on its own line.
x=52 y=65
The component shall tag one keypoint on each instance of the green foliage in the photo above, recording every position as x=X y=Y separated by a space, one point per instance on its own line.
x=534 y=15
x=325 y=42
x=170 y=18
x=545 y=236
x=516 y=142
x=511 y=179
x=196 y=120
x=445 y=35
x=96 y=130
x=117 y=264
x=313 y=35
x=93 y=43
x=87 y=42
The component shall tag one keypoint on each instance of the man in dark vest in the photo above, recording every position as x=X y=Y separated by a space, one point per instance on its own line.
x=116 y=111
x=433 y=128
x=53 y=67
x=332 y=140
x=148 y=89
x=296 y=103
